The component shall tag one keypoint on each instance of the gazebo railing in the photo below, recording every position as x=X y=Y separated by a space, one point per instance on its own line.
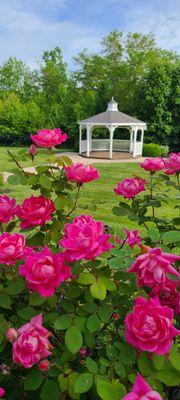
x=138 y=148
x=118 y=145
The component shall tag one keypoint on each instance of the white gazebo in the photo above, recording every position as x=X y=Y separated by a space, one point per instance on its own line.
x=111 y=119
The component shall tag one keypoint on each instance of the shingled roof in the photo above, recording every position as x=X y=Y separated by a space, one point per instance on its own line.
x=111 y=116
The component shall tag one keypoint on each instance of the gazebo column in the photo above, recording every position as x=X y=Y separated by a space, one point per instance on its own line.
x=142 y=137
x=134 y=142
x=88 y=132
x=131 y=141
x=80 y=139
x=111 y=130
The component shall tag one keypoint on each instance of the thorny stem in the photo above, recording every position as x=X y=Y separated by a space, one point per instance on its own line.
x=16 y=162
x=151 y=191
x=76 y=200
x=178 y=179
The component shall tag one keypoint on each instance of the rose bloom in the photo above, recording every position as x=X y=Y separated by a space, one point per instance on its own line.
x=168 y=295
x=12 y=247
x=132 y=238
x=150 y=326
x=32 y=150
x=11 y=335
x=84 y=238
x=153 y=164
x=2 y=392
x=8 y=209
x=172 y=165
x=44 y=365
x=80 y=173
x=142 y=391
x=151 y=268
x=130 y=187
x=44 y=271
x=32 y=343
x=35 y=211
x=49 y=137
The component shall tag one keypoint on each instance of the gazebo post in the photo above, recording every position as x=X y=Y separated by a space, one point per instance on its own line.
x=111 y=130
x=131 y=141
x=80 y=139
x=88 y=128
x=142 y=137
x=134 y=142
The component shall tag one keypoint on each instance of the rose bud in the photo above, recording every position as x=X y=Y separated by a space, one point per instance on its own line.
x=12 y=334
x=44 y=365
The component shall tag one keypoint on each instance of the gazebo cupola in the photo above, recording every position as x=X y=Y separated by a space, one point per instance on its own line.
x=111 y=119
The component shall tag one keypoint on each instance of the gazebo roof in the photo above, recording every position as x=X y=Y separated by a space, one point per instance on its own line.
x=112 y=116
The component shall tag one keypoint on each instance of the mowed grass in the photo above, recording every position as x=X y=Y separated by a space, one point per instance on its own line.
x=100 y=192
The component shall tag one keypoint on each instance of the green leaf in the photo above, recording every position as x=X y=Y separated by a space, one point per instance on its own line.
x=91 y=365
x=63 y=383
x=98 y=290
x=63 y=322
x=90 y=307
x=174 y=358
x=5 y=301
x=73 y=339
x=108 y=283
x=66 y=160
x=27 y=312
x=36 y=299
x=120 y=211
x=145 y=365
x=80 y=322
x=117 y=263
x=72 y=378
x=14 y=288
x=120 y=370
x=93 y=323
x=50 y=390
x=14 y=179
x=106 y=391
x=33 y=380
x=171 y=236
x=111 y=352
x=45 y=182
x=169 y=376
x=83 y=383
x=154 y=235
x=105 y=313
x=158 y=361
x=86 y=278
x=3 y=324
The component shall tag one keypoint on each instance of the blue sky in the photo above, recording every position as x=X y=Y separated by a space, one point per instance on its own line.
x=28 y=27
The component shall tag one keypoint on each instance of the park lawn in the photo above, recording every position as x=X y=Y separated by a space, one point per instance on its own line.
x=100 y=192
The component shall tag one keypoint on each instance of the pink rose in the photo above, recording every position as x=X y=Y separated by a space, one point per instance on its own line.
x=168 y=295
x=2 y=392
x=80 y=173
x=49 y=137
x=151 y=268
x=153 y=164
x=32 y=150
x=32 y=343
x=84 y=238
x=83 y=352
x=172 y=165
x=132 y=238
x=44 y=365
x=150 y=326
x=44 y=271
x=35 y=211
x=142 y=391
x=12 y=247
x=130 y=187
x=8 y=209
x=11 y=335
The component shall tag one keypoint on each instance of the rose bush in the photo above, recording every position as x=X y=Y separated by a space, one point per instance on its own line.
x=87 y=311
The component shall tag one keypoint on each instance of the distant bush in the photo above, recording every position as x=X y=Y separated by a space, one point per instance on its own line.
x=152 y=150
x=165 y=151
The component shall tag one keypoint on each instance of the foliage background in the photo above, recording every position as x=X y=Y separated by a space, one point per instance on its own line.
x=143 y=78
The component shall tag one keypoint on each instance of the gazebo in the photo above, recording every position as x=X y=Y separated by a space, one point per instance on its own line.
x=111 y=119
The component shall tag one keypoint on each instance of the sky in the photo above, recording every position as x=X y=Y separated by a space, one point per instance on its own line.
x=28 y=27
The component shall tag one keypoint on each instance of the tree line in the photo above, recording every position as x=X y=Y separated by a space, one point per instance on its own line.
x=143 y=78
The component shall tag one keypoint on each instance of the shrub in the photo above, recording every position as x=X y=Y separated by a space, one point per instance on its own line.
x=165 y=151
x=79 y=301
x=152 y=150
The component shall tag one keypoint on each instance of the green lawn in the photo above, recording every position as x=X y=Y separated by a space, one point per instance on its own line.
x=97 y=191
